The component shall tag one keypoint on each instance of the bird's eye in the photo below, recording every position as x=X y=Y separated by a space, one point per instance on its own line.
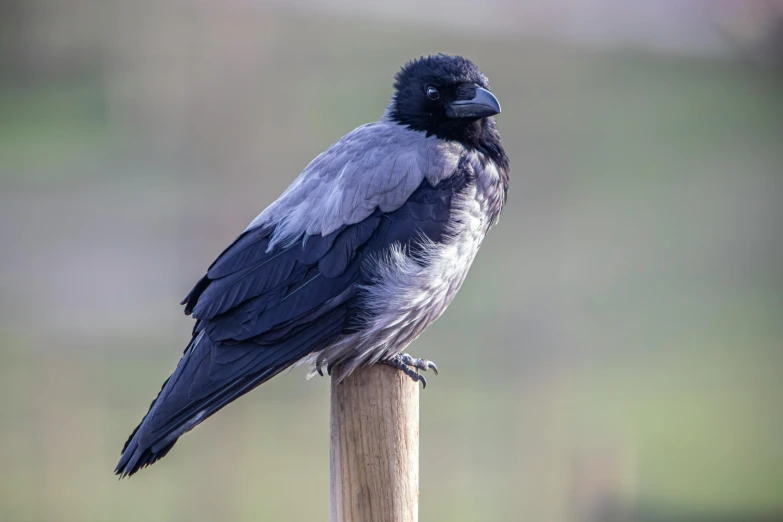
x=432 y=93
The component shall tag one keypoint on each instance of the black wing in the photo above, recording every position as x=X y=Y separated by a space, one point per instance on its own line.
x=258 y=312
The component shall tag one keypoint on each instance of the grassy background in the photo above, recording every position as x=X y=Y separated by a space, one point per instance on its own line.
x=620 y=333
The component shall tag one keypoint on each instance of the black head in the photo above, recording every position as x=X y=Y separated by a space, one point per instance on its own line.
x=446 y=96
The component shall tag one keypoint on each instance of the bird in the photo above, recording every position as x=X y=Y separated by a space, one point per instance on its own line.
x=363 y=251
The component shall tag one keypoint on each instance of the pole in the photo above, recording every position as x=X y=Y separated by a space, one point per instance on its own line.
x=375 y=446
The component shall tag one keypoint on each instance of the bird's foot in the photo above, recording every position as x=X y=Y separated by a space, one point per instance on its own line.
x=320 y=370
x=421 y=364
x=409 y=365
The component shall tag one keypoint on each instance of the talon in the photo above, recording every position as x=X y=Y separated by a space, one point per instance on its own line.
x=329 y=369
x=421 y=364
x=409 y=366
x=320 y=372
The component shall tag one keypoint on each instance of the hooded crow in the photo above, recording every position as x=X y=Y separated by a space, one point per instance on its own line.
x=365 y=249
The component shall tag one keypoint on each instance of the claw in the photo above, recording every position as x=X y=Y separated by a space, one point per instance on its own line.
x=421 y=364
x=320 y=372
x=409 y=365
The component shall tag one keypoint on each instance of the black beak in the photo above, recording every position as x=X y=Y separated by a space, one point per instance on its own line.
x=482 y=104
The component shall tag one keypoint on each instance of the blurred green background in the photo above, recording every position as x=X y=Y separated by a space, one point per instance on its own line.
x=616 y=353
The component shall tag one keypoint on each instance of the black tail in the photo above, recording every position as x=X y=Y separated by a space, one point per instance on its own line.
x=125 y=467
x=204 y=381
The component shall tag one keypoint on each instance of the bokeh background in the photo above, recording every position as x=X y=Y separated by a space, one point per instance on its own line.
x=615 y=355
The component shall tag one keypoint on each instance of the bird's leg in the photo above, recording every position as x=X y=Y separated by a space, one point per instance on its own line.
x=409 y=365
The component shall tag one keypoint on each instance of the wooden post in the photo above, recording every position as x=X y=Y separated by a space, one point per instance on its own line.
x=375 y=447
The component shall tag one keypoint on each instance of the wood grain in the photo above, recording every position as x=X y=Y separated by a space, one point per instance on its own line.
x=375 y=447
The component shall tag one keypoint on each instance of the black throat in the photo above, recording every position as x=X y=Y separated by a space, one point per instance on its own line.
x=480 y=135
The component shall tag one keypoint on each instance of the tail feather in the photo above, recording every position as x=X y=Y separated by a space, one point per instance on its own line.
x=206 y=379
x=140 y=450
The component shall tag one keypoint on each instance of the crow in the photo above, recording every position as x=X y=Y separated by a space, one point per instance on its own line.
x=365 y=249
